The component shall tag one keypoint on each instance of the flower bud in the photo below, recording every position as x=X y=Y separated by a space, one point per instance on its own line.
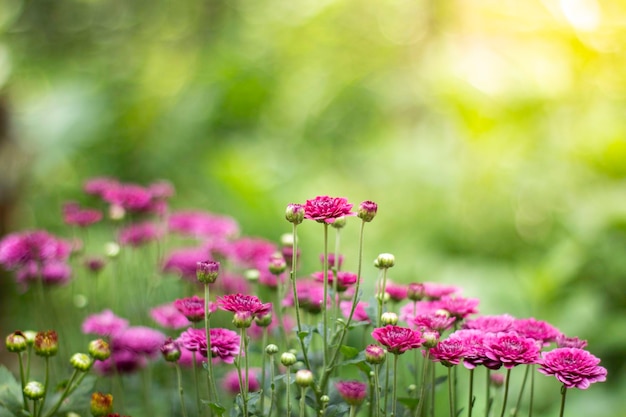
x=251 y=275
x=384 y=261
x=170 y=350
x=30 y=337
x=367 y=211
x=81 y=362
x=389 y=318
x=101 y=404
x=288 y=359
x=112 y=249
x=496 y=379
x=277 y=264
x=415 y=291
x=294 y=213
x=375 y=354
x=16 y=342
x=324 y=399
x=99 y=349
x=339 y=222
x=34 y=390
x=207 y=271
x=430 y=339
x=304 y=378
x=264 y=320
x=242 y=319
x=271 y=349
x=46 y=343
x=286 y=239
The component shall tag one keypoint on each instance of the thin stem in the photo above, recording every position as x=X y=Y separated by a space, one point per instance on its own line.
x=377 y=386
x=487 y=392
x=420 y=404
x=470 y=403
x=521 y=392
x=335 y=278
x=352 y=411
x=450 y=392
x=386 y=388
x=273 y=387
x=563 y=394
x=22 y=379
x=194 y=364
x=294 y=261
x=302 y=403
x=181 y=393
x=532 y=390
x=246 y=386
x=45 y=386
x=433 y=374
x=506 y=392
x=263 y=370
x=212 y=390
x=395 y=386
x=64 y=395
x=325 y=299
x=381 y=296
x=288 y=391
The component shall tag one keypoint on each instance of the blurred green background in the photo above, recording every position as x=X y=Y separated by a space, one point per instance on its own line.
x=491 y=133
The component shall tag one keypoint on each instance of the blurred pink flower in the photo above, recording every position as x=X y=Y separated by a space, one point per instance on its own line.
x=17 y=249
x=435 y=291
x=193 y=308
x=459 y=307
x=74 y=215
x=536 y=329
x=168 y=316
x=436 y=322
x=138 y=339
x=185 y=262
x=344 y=279
x=139 y=234
x=230 y=383
x=121 y=361
x=360 y=313
x=571 y=342
x=573 y=367
x=201 y=224
x=325 y=209
x=352 y=392
x=491 y=324
x=105 y=323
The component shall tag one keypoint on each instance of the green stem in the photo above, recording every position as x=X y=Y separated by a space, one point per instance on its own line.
x=302 y=402
x=64 y=395
x=532 y=390
x=273 y=387
x=22 y=380
x=212 y=389
x=521 y=392
x=335 y=278
x=288 y=391
x=246 y=385
x=470 y=404
x=488 y=392
x=352 y=411
x=325 y=299
x=294 y=261
x=386 y=388
x=45 y=386
x=450 y=392
x=194 y=364
x=506 y=392
x=263 y=370
x=420 y=404
x=181 y=393
x=381 y=296
x=433 y=374
x=563 y=394
x=394 y=394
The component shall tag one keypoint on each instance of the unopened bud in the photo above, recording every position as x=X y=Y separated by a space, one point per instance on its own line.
x=294 y=213
x=367 y=211
x=277 y=264
x=264 y=320
x=46 y=343
x=207 y=271
x=339 y=222
x=16 y=342
x=34 y=390
x=81 y=362
x=112 y=249
x=288 y=359
x=430 y=339
x=251 y=275
x=101 y=404
x=415 y=291
x=170 y=350
x=375 y=354
x=304 y=378
x=384 y=261
x=271 y=349
x=99 y=349
x=242 y=319
x=389 y=318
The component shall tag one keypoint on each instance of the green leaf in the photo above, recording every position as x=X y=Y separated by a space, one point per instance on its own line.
x=348 y=351
x=216 y=408
x=77 y=400
x=10 y=393
x=409 y=402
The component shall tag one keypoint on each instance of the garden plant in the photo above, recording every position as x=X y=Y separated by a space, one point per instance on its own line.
x=146 y=311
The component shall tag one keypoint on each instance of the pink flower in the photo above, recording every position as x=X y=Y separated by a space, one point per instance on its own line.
x=491 y=324
x=230 y=383
x=161 y=189
x=240 y=303
x=360 y=313
x=449 y=351
x=185 y=262
x=193 y=307
x=104 y=324
x=51 y=273
x=397 y=339
x=94 y=264
x=168 y=316
x=201 y=224
x=139 y=234
x=332 y=260
x=138 y=339
x=573 y=367
x=99 y=185
x=121 y=361
x=536 y=329
x=225 y=344
x=187 y=357
x=459 y=307
x=475 y=350
x=17 y=249
x=352 y=392
x=130 y=197
x=344 y=279
x=570 y=342
x=436 y=322
x=435 y=291
x=252 y=252
x=397 y=292
x=511 y=349
x=325 y=209
x=73 y=215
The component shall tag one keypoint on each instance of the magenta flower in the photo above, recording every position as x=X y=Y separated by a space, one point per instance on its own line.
x=139 y=234
x=185 y=262
x=74 y=215
x=435 y=322
x=138 y=339
x=360 y=313
x=193 y=307
x=449 y=351
x=435 y=291
x=169 y=317
x=104 y=324
x=511 y=349
x=122 y=362
x=51 y=273
x=187 y=357
x=491 y=324
x=570 y=342
x=475 y=350
x=225 y=344
x=332 y=260
x=536 y=329
x=161 y=189
x=397 y=339
x=252 y=253
x=201 y=224
x=367 y=210
x=459 y=307
x=397 y=292
x=130 y=197
x=18 y=249
x=573 y=367
x=344 y=279
x=94 y=264
x=353 y=392
x=325 y=209
x=240 y=303
x=100 y=185
x=230 y=383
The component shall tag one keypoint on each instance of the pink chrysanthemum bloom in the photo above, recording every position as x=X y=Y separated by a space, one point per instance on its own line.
x=74 y=215
x=352 y=392
x=332 y=261
x=573 y=367
x=187 y=357
x=122 y=362
x=563 y=341
x=139 y=234
x=475 y=353
x=238 y=303
x=397 y=339
x=225 y=344
x=18 y=249
x=397 y=292
x=169 y=317
x=138 y=339
x=201 y=224
x=459 y=307
x=536 y=329
x=51 y=273
x=409 y=311
x=360 y=313
x=193 y=308
x=344 y=279
x=435 y=291
x=161 y=189
x=105 y=323
x=230 y=383
x=436 y=322
x=99 y=185
x=449 y=351
x=252 y=252
x=325 y=209
x=130 y=197
x=510 y=349
x=491 y=324
x=185 y=262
